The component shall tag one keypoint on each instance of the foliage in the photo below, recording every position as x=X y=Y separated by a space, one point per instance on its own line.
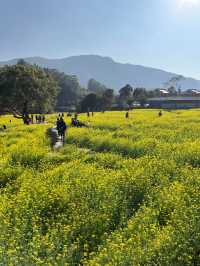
x=96 y=87
x=107 y=99
x=70 y=90
x=89 y=103
x=95 y=102
x=140 y=95
x=125 y=93
x=25 y=88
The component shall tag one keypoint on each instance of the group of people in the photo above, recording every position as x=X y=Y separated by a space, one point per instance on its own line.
x=40 y=119
x=61 y=126
x=76 y=123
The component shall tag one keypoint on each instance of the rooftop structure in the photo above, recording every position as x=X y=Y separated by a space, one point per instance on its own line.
x=175 y=102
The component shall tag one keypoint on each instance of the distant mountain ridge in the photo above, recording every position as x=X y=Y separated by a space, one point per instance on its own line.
x=110 y=73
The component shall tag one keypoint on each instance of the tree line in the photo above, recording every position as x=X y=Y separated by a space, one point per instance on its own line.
x=99 y=97
x=26 y=89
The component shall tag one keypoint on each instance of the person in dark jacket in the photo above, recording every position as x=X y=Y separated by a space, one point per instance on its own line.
x=61 y=128
x=127 y=114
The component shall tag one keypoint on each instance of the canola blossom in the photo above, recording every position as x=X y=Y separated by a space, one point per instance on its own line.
x=120 y=192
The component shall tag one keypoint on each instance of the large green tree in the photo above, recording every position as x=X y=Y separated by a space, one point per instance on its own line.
x=96 y=87
x=107 y=99
x=26 y=88
x=140 y=95
x=89 y=103
x=70 y=89
x=125 y=96
x=126 y=92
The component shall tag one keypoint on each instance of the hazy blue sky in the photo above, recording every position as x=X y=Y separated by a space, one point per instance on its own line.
x=160 y=33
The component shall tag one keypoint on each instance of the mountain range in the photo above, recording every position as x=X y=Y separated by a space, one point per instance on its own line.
x=112 y=74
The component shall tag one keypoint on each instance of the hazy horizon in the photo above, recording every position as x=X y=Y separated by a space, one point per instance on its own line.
x=116 y=61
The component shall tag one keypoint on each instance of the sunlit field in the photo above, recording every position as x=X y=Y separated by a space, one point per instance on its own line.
x=120 y=192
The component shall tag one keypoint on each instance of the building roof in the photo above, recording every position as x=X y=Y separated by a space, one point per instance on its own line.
x=175 y=98
x=164 y=91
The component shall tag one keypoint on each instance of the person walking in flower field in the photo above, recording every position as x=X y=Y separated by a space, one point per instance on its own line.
x=127 y=114
x=61 y=128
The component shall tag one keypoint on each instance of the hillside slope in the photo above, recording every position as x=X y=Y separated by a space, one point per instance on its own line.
x=112 y=74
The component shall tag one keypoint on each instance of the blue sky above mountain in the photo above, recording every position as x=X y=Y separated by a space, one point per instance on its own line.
x=158 y=33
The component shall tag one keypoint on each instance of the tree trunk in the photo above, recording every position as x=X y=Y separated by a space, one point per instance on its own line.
x=25 y=114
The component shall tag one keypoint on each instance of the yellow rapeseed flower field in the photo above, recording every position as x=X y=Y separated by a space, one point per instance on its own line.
x=120 y=192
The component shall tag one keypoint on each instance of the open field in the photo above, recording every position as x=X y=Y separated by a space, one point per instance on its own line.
x=121 y=192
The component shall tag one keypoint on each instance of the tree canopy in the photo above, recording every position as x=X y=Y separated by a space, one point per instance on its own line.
x=89 y=103
x=126 y=92
x=140 y=95
x=26 y=88
x=107 y=98
x=96 y=87
x=70 y=89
